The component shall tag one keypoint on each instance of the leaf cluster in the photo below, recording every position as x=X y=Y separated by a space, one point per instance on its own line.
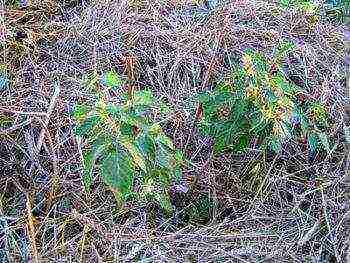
x=125 y=145
x=305 y=5
x=258 y=102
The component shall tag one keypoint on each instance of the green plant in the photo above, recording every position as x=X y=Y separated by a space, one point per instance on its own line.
x=126 y=145
x=258 y=102
x=338 y=10
x=305 y=5
x=200 y=210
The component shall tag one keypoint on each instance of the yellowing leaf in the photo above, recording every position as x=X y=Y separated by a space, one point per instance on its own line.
x=135 y=154
x=155 y=129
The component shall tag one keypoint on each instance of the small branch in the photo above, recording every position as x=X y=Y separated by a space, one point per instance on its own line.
x=15 y=127
x=31 y=230
x=3 y=109
x=49 y=112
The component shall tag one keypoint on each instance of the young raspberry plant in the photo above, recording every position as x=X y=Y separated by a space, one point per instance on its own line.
x=126 y=146
x=260 y=103
x=308 y=6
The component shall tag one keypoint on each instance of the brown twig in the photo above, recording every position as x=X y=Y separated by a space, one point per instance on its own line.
x=31 y=229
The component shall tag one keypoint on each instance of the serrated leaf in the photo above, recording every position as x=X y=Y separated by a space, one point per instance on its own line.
x=163 y=156
x=89 y=160
x=146 y=146
x=143 y=97
x=87 y=125
x=80 y=111
x=135 y=153
x=242 y=143
x=155 y=129
x=312 y=142
x=118 y=172
x=112 y=80
x=324 y=140
x=275 y=144
x=284 y=48
x=165 y=140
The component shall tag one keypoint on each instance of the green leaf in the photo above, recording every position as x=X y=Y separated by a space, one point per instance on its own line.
x=304 y=121
x=135 y=153
x=308 y=6
x=223 y=86
x=164 y=202
x=179 y=157
x=163 y=156
x=115 y=111
x=239 y=77
x=80 y=111
x=289 y=89
x=320 y=112
x=132 y=119
x=275 y=144
x=313 y=142
x=166 y=141
x=143 y=97
x=284 y=3
x=155 y=129
x=146 y=146
x=177 y=171
x=347 y=133
x=261 y=64
x=163 y=176
x=89 y=160
x=88 y=163
x=113 y=80
x=219 y=145
x=127 y=129
x=118 y=171
x=242 y=143
x=87 y=125
x=203 y=97
x=165 y=108
x=324 y=140
x=284 y=48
